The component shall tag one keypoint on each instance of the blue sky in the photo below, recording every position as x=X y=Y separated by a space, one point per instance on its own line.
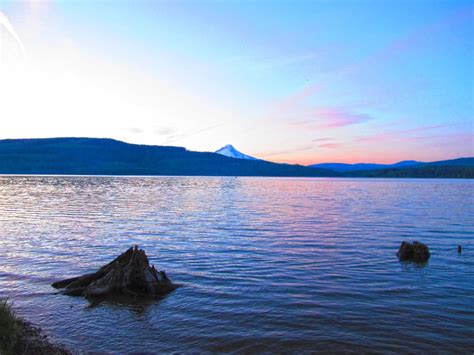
x=290 y=81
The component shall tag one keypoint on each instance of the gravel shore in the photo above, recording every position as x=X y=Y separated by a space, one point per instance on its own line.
x=20 y=337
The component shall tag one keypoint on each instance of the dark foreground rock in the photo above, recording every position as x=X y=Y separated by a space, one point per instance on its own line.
x=129 y=274
x=416 y=251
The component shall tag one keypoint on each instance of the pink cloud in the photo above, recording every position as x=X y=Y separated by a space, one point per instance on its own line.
x=376 y=137
x=325 y=139
x=287 y=151
x=329 y=145
x=329 y=117
x=337 y=117
x=289 y=105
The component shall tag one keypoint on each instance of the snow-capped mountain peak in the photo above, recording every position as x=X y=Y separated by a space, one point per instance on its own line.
x=231 y=152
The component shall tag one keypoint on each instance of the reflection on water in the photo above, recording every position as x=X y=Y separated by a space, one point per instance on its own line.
x=267 y=264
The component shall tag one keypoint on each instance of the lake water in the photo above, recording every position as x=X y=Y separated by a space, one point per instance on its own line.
x=266 y=264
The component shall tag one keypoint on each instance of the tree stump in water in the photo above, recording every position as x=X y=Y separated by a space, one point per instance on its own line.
x=129 y=274
x=417 y=252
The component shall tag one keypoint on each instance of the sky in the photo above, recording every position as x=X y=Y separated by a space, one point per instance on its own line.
x=287 y=81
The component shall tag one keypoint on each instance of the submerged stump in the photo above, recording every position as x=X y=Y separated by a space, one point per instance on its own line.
x=129 y=274
x=416 y=251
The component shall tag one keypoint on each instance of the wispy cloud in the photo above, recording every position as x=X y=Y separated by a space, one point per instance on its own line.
x=413 y=41
x=338 y=117
x=5 y=23
x=291 y=58
x=135 y=130
x=298 y=103
x=293 y=103
x=180 y=136
x=324 y=139
x=287 y=151
x=411 y=134
x=375 y=137
x=330 y=145
x=163 y=131
x=330 y=117
x=433 y=127
x=416 y=38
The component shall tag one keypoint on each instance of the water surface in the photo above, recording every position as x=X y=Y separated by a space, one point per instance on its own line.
x=267 y=264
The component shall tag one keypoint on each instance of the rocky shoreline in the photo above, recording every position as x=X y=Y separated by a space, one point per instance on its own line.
x=20 y=337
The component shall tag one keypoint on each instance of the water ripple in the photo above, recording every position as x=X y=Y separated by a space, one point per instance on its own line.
x=266 y=264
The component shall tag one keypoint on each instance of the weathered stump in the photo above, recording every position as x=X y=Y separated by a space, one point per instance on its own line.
x=416 y=251
x=129 y=274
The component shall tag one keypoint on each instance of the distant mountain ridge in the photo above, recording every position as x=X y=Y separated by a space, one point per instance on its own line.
x=462 y=168
x=455 y=168
x=103 y=156
x=342 y=167
x=231 y=152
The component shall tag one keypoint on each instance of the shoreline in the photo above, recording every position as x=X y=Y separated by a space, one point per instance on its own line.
x=18 y=336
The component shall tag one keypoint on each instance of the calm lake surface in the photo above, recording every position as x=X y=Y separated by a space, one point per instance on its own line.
x=266 y=264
